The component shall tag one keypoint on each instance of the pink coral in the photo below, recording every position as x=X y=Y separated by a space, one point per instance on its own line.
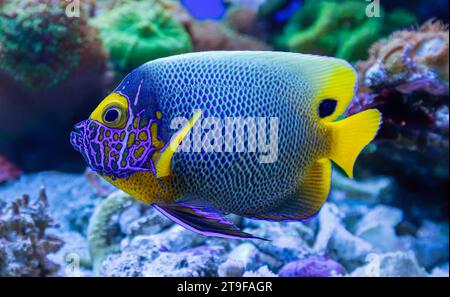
x=8 y=170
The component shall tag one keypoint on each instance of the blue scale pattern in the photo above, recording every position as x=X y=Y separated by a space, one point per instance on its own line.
x=229 y=84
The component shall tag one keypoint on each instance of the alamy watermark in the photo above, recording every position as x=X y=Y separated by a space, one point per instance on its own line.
x=73 y=8
x=232 y=135
x=373 y=9
x=72 y=268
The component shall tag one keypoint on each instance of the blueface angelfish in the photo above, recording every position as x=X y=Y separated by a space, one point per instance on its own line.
x=130 y=138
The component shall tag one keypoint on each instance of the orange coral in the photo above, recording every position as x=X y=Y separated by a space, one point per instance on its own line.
x=409 y=55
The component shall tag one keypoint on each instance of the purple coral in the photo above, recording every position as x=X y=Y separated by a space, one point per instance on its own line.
x=24 y=244
x=313 y=266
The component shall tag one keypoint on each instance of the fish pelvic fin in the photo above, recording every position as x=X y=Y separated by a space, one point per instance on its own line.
x=164 y=161
x=200 y=217
x=349 y=136
x=312 y=192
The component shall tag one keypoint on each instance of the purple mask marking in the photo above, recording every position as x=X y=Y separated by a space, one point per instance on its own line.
x=116 y=152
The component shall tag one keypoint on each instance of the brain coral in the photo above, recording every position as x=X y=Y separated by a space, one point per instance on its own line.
x=136 y=32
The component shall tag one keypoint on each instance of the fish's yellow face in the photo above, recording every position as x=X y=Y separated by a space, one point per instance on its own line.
x=117 y=140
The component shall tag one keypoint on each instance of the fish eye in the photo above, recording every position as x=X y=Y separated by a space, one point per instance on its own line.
x=327 y=107
x=112 y=115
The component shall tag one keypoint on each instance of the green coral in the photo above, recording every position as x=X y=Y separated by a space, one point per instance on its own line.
x=39 y=44
x=99 y=237
x=137 y=32
x=340 y=29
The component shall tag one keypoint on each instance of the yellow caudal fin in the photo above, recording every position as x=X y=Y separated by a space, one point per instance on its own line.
x=351 y=135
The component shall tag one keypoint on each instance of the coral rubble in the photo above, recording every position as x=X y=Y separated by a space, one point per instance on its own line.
x=24 y=242
x=128 y=238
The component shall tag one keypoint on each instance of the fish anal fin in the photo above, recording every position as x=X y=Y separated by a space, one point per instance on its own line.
x=311 y=195
x=203 y=219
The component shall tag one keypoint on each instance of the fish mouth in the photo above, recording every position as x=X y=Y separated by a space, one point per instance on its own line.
x=76 y=138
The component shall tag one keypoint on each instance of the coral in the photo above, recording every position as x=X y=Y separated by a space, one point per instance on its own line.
x=374 y=190
x=347 y=248
x=137 y=32
x=406 y=78
x=338 y=29
x=431 y=246
x=377 y=227
x=336 y=241
x=53 y=69
x=238 y=31
x=261 y=272
x=286 y=244
x=101 y=225
x=142 y=218
x=74 y=256
x=312 y=267
x=410 y=60
x=355 y=236
x=24 y=242
x=174 y=252
x=96 y=182
x=390 y=264
x=208 y=35
x=246 y=257
x=196 y=262
x=244 y=21
x=8 y=171
x=39 y=46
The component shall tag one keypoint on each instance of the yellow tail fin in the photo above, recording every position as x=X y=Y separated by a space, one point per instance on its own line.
x=351 y=135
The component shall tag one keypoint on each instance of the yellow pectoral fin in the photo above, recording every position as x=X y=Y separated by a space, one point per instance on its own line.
x=351 y=135
x=163 y=164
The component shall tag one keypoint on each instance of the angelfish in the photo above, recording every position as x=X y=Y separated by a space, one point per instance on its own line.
x=129 y=138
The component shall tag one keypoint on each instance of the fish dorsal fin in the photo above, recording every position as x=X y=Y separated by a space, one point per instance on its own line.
x=325 y=77
x=164 y=160
x=200 y=217
x=311 y=195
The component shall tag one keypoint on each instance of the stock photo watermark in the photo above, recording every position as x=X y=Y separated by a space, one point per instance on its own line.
x=231 y=135
x=73 y=8
x=373 y=9
x=72 y=268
